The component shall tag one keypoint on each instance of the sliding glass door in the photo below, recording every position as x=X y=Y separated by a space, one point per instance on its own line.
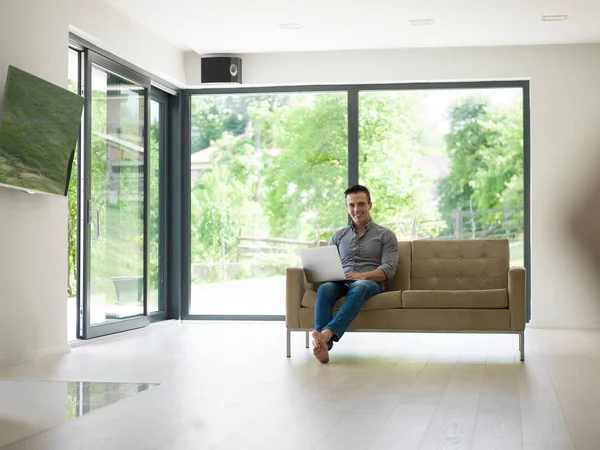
x=115 y=189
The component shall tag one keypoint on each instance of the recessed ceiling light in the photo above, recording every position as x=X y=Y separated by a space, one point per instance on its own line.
x=421 y=22
x=554 y=18
x=290 y=26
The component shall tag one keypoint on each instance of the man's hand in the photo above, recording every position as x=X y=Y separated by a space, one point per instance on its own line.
x=355 y=276
x=377 y=275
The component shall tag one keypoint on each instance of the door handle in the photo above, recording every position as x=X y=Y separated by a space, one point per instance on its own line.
x=97 y=224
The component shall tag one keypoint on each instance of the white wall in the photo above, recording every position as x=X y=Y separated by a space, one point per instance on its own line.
x=565 y=141
x=101 y=24
x=33 y=228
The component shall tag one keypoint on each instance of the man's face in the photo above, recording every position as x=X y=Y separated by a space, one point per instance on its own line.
x=358 y=207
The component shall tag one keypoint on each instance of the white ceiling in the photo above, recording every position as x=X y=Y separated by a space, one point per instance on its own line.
x=249 y=26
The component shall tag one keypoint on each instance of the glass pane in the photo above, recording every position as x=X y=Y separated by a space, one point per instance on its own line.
x=74 y=85
x=117 y=198
x=268 y=174
x=156 y=129
x=445 y=164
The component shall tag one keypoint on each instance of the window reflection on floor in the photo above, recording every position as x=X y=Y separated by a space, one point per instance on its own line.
x=31 y=407
x=85 y=397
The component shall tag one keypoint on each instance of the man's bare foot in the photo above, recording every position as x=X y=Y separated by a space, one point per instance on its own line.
x=317 y=338
x=320 y=347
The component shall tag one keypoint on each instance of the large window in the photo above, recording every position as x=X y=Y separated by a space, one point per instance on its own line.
x=445 y=164
x=268 y=171
x=266 y=177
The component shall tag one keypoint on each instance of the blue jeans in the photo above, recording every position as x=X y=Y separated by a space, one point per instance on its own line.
x=356 y=292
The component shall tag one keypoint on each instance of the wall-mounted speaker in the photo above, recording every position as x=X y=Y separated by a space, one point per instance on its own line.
x=221 y=69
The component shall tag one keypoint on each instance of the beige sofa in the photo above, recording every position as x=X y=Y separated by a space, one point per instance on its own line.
x=440 y=286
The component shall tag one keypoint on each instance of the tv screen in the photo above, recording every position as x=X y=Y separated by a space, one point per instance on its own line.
x=39 y=131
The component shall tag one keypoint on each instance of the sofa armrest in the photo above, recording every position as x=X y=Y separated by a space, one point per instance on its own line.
x=295 y=287
x=517 y=280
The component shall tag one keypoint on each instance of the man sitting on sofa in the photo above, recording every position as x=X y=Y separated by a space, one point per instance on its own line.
x=369 y=254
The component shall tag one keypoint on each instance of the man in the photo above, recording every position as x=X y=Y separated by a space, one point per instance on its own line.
x=369 y=254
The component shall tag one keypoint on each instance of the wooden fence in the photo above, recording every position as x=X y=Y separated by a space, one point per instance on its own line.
x=492 y=223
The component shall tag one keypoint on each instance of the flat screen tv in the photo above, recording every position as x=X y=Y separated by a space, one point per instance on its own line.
x=39 y=130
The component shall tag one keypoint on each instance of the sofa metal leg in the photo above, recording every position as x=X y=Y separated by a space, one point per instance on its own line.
x=289 y=344
x=522 y=344
x=307 y=343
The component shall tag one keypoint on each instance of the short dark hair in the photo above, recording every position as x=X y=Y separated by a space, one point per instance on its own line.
x=357 y=189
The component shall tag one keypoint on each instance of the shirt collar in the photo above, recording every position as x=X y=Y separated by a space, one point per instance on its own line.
x=368 y=226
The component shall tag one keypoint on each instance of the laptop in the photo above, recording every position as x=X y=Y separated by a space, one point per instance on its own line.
x=322 y=264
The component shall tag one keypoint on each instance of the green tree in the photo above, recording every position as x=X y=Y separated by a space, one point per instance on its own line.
x=390 y=151
x=306 y=171
x=213 y=115
x=485 y=147
x=223 y=201
x=290 y=167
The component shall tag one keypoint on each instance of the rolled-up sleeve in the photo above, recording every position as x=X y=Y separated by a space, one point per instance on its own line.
x=389 y=254
x=333 y=239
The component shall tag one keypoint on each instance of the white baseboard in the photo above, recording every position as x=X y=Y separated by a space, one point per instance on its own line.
x=36 y=354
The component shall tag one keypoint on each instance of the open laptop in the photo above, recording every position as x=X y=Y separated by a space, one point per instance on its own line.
x=322 y=264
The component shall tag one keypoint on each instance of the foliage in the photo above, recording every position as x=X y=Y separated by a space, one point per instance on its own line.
x=290 y=167
x=390 y=151
x=154 y=207
x=219 y=211
x=72 y=220
x=485 y=147
x=306 y=169
x=72 y=228
x=210 y=119
x=278 y=166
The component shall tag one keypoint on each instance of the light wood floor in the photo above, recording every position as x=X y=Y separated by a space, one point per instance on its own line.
x=230 y=386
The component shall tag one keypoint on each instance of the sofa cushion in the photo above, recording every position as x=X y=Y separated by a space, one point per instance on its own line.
x=387 y=300
x=488 y=298
x=419 y=320
x=451 y=265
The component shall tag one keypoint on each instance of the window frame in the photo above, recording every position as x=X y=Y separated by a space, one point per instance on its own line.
x=352 y=91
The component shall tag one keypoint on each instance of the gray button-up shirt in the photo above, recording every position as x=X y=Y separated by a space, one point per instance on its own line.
x=377 y=248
